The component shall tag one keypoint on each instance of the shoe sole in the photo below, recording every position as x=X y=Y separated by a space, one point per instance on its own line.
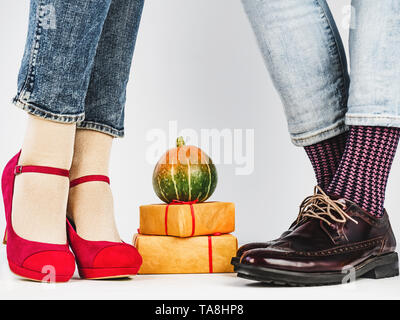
x=35 y=276
x=384 y=266
x=106 y=273
x=111 y=277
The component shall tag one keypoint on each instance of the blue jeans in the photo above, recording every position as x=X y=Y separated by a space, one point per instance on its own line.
x=77 y=60
x=304 y=54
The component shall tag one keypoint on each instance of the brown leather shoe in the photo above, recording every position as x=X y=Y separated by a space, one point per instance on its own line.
x=262 y=245
x=334 y=241
x=253 y=245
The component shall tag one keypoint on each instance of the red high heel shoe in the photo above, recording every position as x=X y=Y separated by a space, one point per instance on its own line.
x=102 y=259
x=29 y=259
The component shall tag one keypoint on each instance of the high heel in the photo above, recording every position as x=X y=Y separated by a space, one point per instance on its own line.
x=102 y=259
x=30 y=259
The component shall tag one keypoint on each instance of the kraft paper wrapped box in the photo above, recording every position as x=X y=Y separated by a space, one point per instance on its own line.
x=182 y=219
x=202 y=254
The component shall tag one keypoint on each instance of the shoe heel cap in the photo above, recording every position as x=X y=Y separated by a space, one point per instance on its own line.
x=5 y=237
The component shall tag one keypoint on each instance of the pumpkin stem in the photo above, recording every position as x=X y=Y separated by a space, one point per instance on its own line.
x=180 y=142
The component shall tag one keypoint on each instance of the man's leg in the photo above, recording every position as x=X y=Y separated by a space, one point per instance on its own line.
x=347 y=234
x=304 y=54
x=374 y=105
x=364 y=170
x=325 y=158
x=303 y=51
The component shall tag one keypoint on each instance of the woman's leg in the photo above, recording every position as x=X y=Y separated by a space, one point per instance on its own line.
x=90 y=205
x=374 y=105
x=52 y=84
x=58 y=59
x=40 y=200
x=304 y=54
x=106 y=95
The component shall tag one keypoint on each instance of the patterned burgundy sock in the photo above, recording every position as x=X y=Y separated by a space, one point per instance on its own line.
x=325 y=157
x=363 y=172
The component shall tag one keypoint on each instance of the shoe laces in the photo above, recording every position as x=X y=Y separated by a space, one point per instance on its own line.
x=321 y=206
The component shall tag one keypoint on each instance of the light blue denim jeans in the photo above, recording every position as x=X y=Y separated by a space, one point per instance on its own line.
x=304 y=54
x=77 y=60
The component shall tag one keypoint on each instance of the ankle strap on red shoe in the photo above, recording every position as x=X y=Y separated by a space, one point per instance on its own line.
x=94 y=177
x=41 y=169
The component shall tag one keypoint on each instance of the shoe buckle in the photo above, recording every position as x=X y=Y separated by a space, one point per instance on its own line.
x=17 y=170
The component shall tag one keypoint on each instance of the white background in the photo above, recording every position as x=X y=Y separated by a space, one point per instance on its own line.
x=196 y=62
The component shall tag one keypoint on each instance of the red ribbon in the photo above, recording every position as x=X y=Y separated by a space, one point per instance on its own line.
x=210 y=250
x=210 y=258
x=178 y=202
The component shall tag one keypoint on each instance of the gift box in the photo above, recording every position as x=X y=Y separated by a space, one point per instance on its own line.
x=187 y=219
x=202 y=254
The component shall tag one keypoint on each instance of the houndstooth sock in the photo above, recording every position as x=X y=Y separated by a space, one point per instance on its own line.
x=325 y=157
x=364 y=169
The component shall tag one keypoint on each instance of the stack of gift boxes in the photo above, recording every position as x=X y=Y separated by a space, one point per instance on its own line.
x=186 y=237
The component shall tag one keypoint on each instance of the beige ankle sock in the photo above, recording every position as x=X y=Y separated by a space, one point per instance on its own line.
x=40 y=200
x=90 y=205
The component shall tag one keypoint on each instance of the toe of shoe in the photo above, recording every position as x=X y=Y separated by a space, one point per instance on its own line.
x=267 y=258
x=251 y=246
x=56 y=265
x=276 y=259
x=120 y=256
x=250 y=257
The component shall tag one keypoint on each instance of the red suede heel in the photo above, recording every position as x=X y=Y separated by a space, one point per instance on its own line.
x=102 y=259
x=29 y=259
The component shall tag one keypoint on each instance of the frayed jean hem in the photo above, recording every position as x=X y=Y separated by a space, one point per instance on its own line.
x=90 y=125
x=79 y=119
x=41 y=112
x=376 y=120
x=320 y=135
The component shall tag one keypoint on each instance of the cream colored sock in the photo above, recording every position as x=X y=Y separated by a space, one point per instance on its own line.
x=90 y=204
x=40 y=200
